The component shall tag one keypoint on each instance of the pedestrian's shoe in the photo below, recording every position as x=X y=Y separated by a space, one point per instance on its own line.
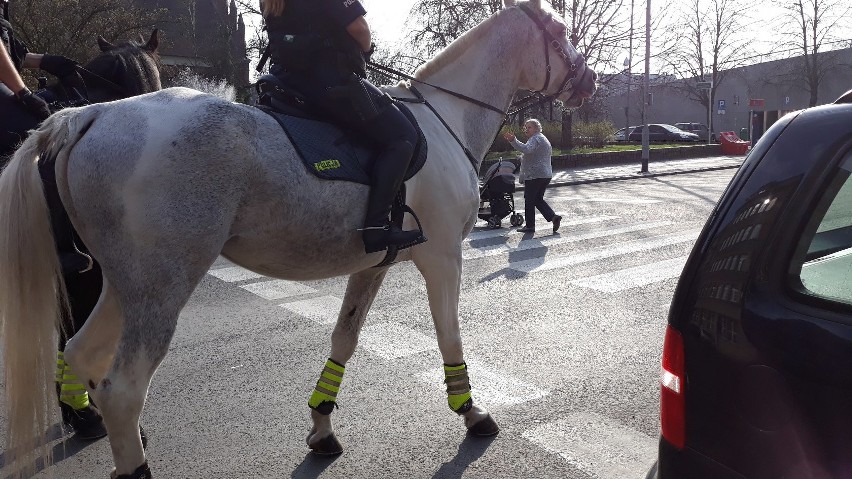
x=378 y=238
x=87 y=423
x=557 y=220
x=526 y=229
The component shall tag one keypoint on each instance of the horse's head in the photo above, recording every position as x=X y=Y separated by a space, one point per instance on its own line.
x=557 y=66
x=124 y=70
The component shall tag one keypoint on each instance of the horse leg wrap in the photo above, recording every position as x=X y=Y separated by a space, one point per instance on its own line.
x=324 y=398
x=458 y=388
x=141 y=472
x=71 y=390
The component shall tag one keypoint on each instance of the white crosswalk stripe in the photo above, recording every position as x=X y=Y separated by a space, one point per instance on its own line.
x=596 y=445
x=634 y=277
x=498 y=249
x=322 y=310
x=277 y=289
x=393 y=341
x=232 y=274
x=495 y=233
x=490 y=386
x=601 y=252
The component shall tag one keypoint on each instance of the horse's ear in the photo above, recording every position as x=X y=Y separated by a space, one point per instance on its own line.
x=509 y=3
x=153 y=42
x=104 y=45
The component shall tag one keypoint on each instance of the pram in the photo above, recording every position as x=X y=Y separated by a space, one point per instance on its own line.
x=496 y=199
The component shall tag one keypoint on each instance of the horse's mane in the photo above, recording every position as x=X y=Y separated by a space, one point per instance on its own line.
x=454 y=50
x=130 y=66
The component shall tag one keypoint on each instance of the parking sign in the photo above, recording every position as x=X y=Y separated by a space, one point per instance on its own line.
x=721 y=109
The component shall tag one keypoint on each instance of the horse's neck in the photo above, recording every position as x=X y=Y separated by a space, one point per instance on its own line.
x=488 y=70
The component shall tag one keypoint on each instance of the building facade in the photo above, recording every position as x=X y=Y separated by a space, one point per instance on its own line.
x=206 y=36
x=747 y=98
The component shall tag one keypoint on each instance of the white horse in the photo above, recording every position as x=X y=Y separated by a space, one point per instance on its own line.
x=158 y=186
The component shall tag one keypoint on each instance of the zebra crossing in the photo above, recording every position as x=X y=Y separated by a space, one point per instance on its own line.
x=571 y=438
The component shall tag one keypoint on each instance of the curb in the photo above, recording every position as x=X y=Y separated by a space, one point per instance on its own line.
x=632 y=176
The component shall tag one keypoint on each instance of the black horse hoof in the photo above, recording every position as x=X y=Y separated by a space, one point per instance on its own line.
x=486 y=427
x=141 y=472
x=327 y=446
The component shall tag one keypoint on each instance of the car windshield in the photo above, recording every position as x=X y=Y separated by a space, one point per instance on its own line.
x=672 y=129
x=824 y=270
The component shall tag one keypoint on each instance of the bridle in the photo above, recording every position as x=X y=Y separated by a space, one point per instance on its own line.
x=550 y=41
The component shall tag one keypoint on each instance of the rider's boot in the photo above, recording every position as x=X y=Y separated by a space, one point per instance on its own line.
x=77 y=411
x=387 y=177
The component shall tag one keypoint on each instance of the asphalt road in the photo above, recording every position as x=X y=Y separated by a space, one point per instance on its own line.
x=562 y=335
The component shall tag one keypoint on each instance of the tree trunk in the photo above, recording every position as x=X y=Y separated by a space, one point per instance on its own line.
x=567 y=135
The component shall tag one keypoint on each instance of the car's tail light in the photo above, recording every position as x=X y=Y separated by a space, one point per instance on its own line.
x=673 y=389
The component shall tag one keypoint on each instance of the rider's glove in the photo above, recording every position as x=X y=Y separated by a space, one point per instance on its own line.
x=34 y=104
x=58 y=65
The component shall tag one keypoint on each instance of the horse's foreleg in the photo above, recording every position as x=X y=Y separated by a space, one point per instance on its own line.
x=442 y=272
x=360 y=292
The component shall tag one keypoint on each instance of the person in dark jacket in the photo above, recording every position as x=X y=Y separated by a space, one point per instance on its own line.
x=319 y=49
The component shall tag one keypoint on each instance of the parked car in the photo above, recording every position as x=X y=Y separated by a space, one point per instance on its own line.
x=699 y=129
x=663 y=132
x=620 y=135
x=756 y=373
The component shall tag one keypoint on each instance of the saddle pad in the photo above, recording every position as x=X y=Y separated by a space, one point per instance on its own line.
x=332 y=154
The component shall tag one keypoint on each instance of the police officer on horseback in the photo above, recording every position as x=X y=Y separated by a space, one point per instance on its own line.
x=319 y=48
x=20 y=109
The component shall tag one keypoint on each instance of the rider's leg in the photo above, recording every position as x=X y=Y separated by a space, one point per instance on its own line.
x=397 y=137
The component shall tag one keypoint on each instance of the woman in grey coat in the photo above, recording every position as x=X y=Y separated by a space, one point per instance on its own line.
x=536 y=173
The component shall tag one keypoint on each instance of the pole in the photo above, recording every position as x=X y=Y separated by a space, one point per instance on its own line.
x=629 y=76
x=709 y=112
x=646 y=148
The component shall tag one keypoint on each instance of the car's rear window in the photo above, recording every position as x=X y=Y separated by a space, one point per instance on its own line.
x=825 y=270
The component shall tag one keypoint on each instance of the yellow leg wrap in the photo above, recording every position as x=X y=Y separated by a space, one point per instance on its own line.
x=71 y=391
x=327 y=387
x=458 y=387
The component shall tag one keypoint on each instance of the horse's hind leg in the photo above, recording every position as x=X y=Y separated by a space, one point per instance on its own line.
x=150 y=309
x=440 y=263
x=360 y=292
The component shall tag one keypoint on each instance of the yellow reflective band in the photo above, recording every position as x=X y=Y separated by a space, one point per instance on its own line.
x=457 y=400
x=460 y=367
x=76 y=401
x=328 y=384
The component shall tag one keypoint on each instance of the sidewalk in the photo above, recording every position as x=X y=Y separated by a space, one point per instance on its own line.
x=582 y=175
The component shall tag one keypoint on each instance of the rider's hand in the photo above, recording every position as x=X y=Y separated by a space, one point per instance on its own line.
x=58 y=65
x=509 y=136
x=34 y=104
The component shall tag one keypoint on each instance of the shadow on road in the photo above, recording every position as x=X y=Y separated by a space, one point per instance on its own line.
x=471 y=449
x=313 y=465
x=68 y=447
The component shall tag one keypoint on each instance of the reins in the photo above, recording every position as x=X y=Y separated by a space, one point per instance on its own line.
x=549 y=41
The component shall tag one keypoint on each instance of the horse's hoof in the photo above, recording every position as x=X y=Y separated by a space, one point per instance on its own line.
x=485 y=427
x=327 y=446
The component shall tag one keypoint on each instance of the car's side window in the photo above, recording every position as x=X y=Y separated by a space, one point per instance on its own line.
x=825 y=266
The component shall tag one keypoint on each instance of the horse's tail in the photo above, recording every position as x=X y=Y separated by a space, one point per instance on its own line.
x=32 y=295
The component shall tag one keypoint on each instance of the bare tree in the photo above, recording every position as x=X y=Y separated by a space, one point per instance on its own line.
x=810 y=26
x=71 y=28
x=705 y=43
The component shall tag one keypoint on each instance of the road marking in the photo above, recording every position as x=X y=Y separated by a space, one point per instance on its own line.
x=608 y=251
x=322 y=310
x=277 y=289
x=628 y=201
x=498 y=249
x=233 y=274
x=596 y=445
x=634 y=277
x=394 y=341
x=479 y=235
x=490 y=387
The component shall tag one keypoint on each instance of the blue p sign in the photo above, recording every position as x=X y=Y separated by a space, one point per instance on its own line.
x=721 y=104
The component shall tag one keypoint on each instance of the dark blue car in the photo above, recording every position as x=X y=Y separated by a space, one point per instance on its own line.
x=757 y=362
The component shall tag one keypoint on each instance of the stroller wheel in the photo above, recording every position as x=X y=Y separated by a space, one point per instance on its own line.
x=517 y=219
x=493 y=222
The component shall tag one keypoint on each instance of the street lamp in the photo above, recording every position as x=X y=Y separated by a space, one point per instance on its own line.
x=628 y=62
